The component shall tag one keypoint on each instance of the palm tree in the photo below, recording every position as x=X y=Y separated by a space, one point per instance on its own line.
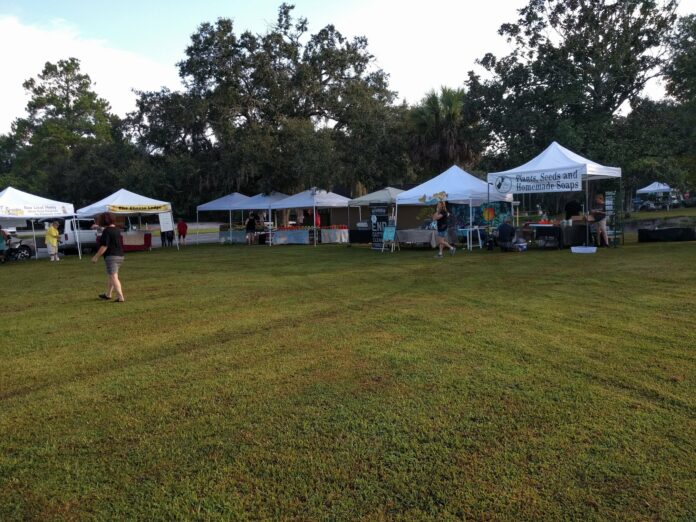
x=447 y=130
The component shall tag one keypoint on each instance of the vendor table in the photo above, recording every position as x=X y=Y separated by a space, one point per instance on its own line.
x=134 y=241
x=547 y=231
x=416 y=236
x=291 y=237
x=471 y=234
x=331 y=235
x=232 y=236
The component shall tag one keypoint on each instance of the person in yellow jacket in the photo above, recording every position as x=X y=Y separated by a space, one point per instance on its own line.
x=52 y=235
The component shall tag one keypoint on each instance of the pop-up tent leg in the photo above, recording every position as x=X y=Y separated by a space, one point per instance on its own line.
x=33 y=233
x=77 y=237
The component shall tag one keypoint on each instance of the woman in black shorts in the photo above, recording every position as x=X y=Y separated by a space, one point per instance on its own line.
x=110 y=247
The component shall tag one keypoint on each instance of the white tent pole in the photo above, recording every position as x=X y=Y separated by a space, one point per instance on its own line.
x=314 y=217
x=587 y=211
x=470 y=234
x=77 y=237
x=36 y=247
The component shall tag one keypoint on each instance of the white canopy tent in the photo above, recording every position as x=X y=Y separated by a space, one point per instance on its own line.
x=16 y=204
x=263 y=202
x=226 y=203
x=312 y=198
x=386 y=196
x=124 y=202
x=546 y=168
x=456 y=186
x=556 y=169
x=655 y=188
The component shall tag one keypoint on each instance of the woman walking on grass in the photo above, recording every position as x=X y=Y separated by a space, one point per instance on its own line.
x=110 y=247
x=441 y=216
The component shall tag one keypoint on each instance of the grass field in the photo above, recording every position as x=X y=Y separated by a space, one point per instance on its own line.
x=337 y=383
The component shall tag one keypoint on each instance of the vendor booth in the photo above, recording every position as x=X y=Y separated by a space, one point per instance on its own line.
x=18 y=205
x=556 y=169
x=228 y=203
x=381 y=205
x=456 y=186
x=312 y=199
x=658 y=188
x=126 y=203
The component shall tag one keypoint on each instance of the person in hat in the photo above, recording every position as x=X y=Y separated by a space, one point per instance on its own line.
x=52 y=236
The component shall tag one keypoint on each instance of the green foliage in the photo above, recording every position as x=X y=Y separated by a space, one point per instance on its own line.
x=447 y=130
x=274 y=111
x=681 y=70
x=574 y=65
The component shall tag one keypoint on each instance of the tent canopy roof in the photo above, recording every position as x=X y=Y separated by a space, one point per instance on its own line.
x=654 y=188
x=125 y=202
x=386 y=195
x=262 y=201
x=228 y=202
x=22 y=205
x=458 y=185
x=558 y=158
x=312 y=198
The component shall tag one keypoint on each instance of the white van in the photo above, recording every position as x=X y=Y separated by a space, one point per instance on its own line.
x=86 y=228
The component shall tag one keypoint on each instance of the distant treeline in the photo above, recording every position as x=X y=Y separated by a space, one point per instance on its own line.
x=286 y=110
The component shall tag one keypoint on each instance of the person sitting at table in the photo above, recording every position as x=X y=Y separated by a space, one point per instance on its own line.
x=506 y=236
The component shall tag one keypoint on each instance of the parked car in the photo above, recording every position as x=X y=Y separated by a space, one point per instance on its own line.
x=86 y=228
x=647 y=205
x=690 y=202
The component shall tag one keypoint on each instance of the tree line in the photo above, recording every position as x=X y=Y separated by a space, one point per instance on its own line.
x=286 y=109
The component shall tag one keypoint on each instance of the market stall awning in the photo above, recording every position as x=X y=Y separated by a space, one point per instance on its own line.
x=312 y=198
x=455 y=185
x=262 y=201
x=556 y=169
x=655 y=188
x=126 y=202
x=15 y=204
x=385 y=196
x=225 y=203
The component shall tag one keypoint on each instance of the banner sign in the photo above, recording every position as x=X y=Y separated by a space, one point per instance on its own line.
x=389 y=234
x=31 y=211
x=609 y=198
x=166 y=222
x=567 y=181
x=378 y=220
x=139 y=208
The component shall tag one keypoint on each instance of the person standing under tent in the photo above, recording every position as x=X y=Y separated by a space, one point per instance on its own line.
x=182 y=230
x=599 y=214
x=441 y=216
x=250 y=226
x=52 y=236
x=110 y=247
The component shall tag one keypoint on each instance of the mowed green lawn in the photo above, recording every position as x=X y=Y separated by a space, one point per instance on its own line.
x=338 y=383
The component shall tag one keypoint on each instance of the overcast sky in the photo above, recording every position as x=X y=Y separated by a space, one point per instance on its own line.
x=128 y=44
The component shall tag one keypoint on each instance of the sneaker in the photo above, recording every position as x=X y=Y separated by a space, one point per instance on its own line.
x=437 y=256
x=452 y=251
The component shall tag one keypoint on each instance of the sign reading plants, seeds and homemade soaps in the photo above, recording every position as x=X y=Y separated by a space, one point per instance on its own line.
x=528 y=183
